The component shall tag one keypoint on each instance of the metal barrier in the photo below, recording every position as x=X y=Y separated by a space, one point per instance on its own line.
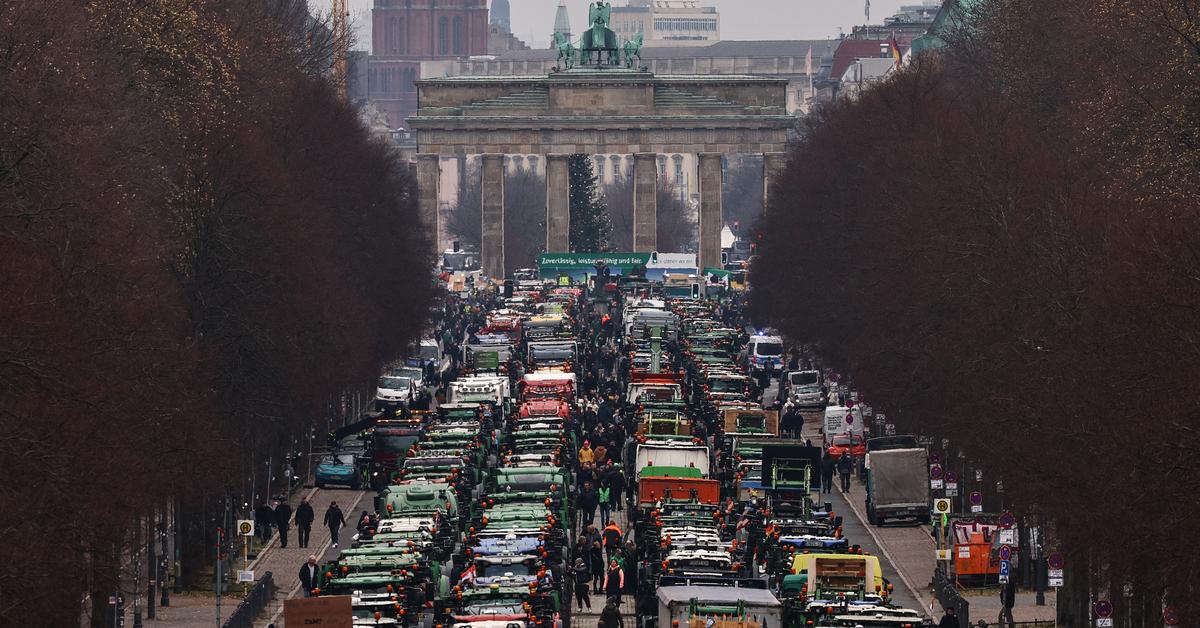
x=256 y=600
x=949 y=597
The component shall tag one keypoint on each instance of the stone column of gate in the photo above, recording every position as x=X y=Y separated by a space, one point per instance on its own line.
x=558 y=204
x=429 y=176
x=711 y=219
x=773 y=164
x=645 y=202
x=492 y=249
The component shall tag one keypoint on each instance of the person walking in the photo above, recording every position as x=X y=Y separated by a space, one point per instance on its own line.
x=586 y=455
x=616 y=482
x=612 y=539
x=845 y=466
x=600 y=454
x=589 y=498
x=1008 y=599
x=949 y=620
x=828 y=465
x=283 y=519
x=596 y=556
x=614 y=581
x=308 y=575
x=304 y=520
x=610 y=617
x=583 y=577
x=629 y=563
x=264 y=518
x=605 y=496
x=334 y=520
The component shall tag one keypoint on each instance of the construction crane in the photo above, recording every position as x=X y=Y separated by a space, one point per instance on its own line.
x=341 y=44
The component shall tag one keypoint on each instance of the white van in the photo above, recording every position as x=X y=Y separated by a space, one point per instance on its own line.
x=843 y=420
x=764 y=353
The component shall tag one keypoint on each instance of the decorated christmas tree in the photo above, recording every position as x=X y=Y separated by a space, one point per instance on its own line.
x=591 y=226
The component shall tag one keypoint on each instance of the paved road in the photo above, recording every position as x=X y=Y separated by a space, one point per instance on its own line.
x=909 y=589
x=590 y=617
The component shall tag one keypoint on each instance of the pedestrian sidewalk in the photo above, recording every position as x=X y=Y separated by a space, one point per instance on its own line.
x=284 y=562
x=910 y=552
x=199 y=609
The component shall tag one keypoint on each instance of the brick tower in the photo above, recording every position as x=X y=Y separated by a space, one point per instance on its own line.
x=406 y=32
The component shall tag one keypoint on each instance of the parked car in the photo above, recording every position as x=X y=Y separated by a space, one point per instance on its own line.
x=341 y=467
x=852 y=444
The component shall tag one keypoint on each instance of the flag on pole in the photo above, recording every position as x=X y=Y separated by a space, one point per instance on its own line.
x=808 y=63
x=867 y=10
x=896 y=54
x=468 y=575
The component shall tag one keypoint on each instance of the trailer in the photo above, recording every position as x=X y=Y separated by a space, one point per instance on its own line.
x=897 y=485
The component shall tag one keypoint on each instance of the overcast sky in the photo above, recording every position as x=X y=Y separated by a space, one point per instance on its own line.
x=533 y=20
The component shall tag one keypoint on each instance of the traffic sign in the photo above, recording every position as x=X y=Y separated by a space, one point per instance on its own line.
x=943 y=554
x=1007 y=520
x=935 y=471
x=868 y=410
x=1102 y=608
x=1008 y=537
x=1104 y=622
x=976 y=498
x=1055 y=577
x=1170 y=616
x=951 y=489
x=1005 y=552
x=245 y=527
x=1004 y=564
x=951 y=476
x=1055 y=560
x=935 y=458
x=941 y=506
x=889 y=429
x=245 y=576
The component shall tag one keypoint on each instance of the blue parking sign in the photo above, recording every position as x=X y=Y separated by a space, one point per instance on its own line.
x=1004 y=567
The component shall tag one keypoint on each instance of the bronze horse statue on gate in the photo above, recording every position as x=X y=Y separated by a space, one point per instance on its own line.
x=566 y=51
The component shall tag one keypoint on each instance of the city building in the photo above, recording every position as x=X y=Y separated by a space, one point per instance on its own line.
x=908 y=23
x=499 y=16
x=863 y=73
x=405 y=33
x=668 y=22
x=775 y=59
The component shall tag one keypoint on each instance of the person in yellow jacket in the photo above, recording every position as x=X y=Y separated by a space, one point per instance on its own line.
x=587 y=457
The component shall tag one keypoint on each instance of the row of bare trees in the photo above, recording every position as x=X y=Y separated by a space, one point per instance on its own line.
x=199 y=246
x=1002 y=245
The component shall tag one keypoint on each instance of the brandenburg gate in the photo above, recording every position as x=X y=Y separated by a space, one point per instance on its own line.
x=599 y=106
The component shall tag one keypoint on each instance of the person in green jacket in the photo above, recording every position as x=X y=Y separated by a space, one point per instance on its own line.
x=605 y=502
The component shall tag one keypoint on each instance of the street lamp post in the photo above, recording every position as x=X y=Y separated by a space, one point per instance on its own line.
x=151 y=565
